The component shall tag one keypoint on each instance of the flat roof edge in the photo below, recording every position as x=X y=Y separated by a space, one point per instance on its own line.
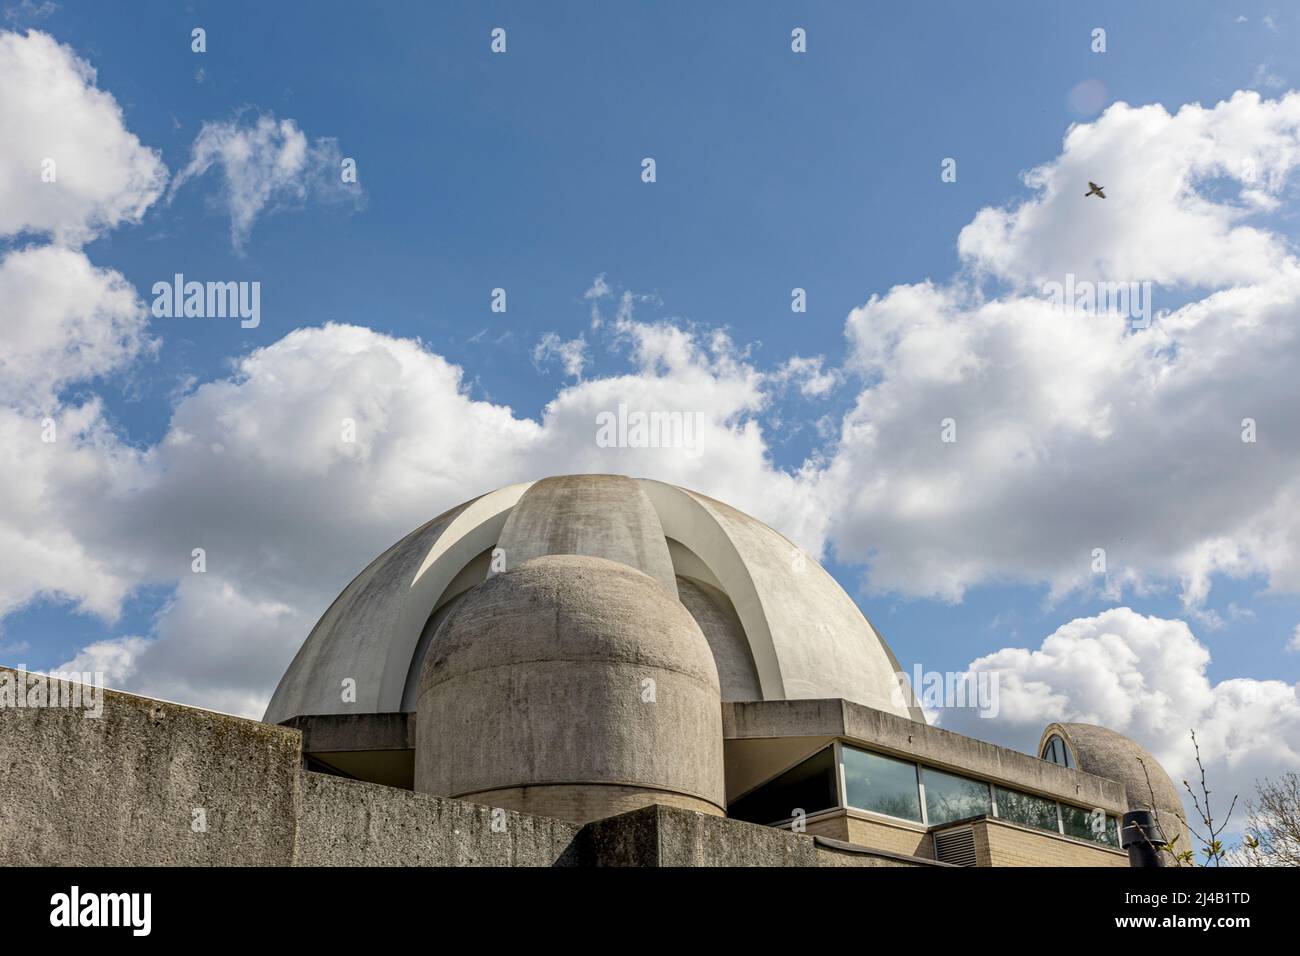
x=920 y=742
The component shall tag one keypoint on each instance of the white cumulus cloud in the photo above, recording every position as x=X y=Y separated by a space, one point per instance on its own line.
x=63 y=320
x=1145 y=677
x=1181 y=192
x=1073 y=430
x=53 y=119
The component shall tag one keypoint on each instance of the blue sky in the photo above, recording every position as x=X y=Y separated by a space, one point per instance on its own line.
x=522 y=171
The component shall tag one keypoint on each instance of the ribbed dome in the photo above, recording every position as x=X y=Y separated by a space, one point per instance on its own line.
x=779 y=626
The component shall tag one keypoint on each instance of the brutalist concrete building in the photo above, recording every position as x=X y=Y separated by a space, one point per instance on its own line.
x=582 y=670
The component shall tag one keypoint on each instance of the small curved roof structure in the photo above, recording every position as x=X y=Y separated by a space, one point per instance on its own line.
x=1107 y=753
x=779 y=625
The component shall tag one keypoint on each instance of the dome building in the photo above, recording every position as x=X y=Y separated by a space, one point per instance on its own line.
x=585 y=646
x=777 y=623
x=1102 y=751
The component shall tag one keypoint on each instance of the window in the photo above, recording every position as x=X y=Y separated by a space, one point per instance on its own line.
x=949 y=797
x=897 y=788
x=1091 y=825
x=1056 y=751
x=1027 y=809
x=808 y=786
x=882 y=784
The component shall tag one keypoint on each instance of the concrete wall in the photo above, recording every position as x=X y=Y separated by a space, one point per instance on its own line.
x=667 y=836
x=713 y=611
x=351 y=823
x=123 y=788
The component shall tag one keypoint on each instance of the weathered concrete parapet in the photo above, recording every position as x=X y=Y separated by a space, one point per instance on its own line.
x=352 y=823
x=146 y=783
x=666 y=836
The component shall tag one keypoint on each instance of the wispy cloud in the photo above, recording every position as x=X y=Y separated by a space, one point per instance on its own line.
x=572 y=354
x=30 y=11
x=266 y=165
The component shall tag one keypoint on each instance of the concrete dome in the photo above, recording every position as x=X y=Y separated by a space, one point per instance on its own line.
x=1102 y=751
x=779 y=626
x=544 y=691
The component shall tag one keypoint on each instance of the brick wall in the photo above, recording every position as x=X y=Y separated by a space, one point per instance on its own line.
x=1004 y=844
x=877 y=834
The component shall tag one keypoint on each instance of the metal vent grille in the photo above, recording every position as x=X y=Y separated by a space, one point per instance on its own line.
x=955 y=846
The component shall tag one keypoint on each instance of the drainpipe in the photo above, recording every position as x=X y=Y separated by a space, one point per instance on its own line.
x=1140 y=835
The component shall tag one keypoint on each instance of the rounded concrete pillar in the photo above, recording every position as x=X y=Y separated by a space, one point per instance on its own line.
x=571 y=687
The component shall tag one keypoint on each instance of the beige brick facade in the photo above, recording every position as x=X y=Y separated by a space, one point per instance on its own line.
x=998 y=843
x=852 y=827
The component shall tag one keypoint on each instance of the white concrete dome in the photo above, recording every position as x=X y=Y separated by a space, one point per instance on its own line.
x=778 y=625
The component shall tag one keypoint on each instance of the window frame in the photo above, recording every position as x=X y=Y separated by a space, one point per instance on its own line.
x=919 y=769
x=1056 y=807
x=925 y=810
x=916 y=771
x=1067 y=755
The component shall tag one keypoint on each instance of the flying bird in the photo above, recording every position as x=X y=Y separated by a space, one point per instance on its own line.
x=1094 y=190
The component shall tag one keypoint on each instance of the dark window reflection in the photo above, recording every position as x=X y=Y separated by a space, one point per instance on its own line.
x=882 y=784
x=1026 y=809
x=949 y=797
x=1057 y=752
x=808 y=786
x=1089 y=825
